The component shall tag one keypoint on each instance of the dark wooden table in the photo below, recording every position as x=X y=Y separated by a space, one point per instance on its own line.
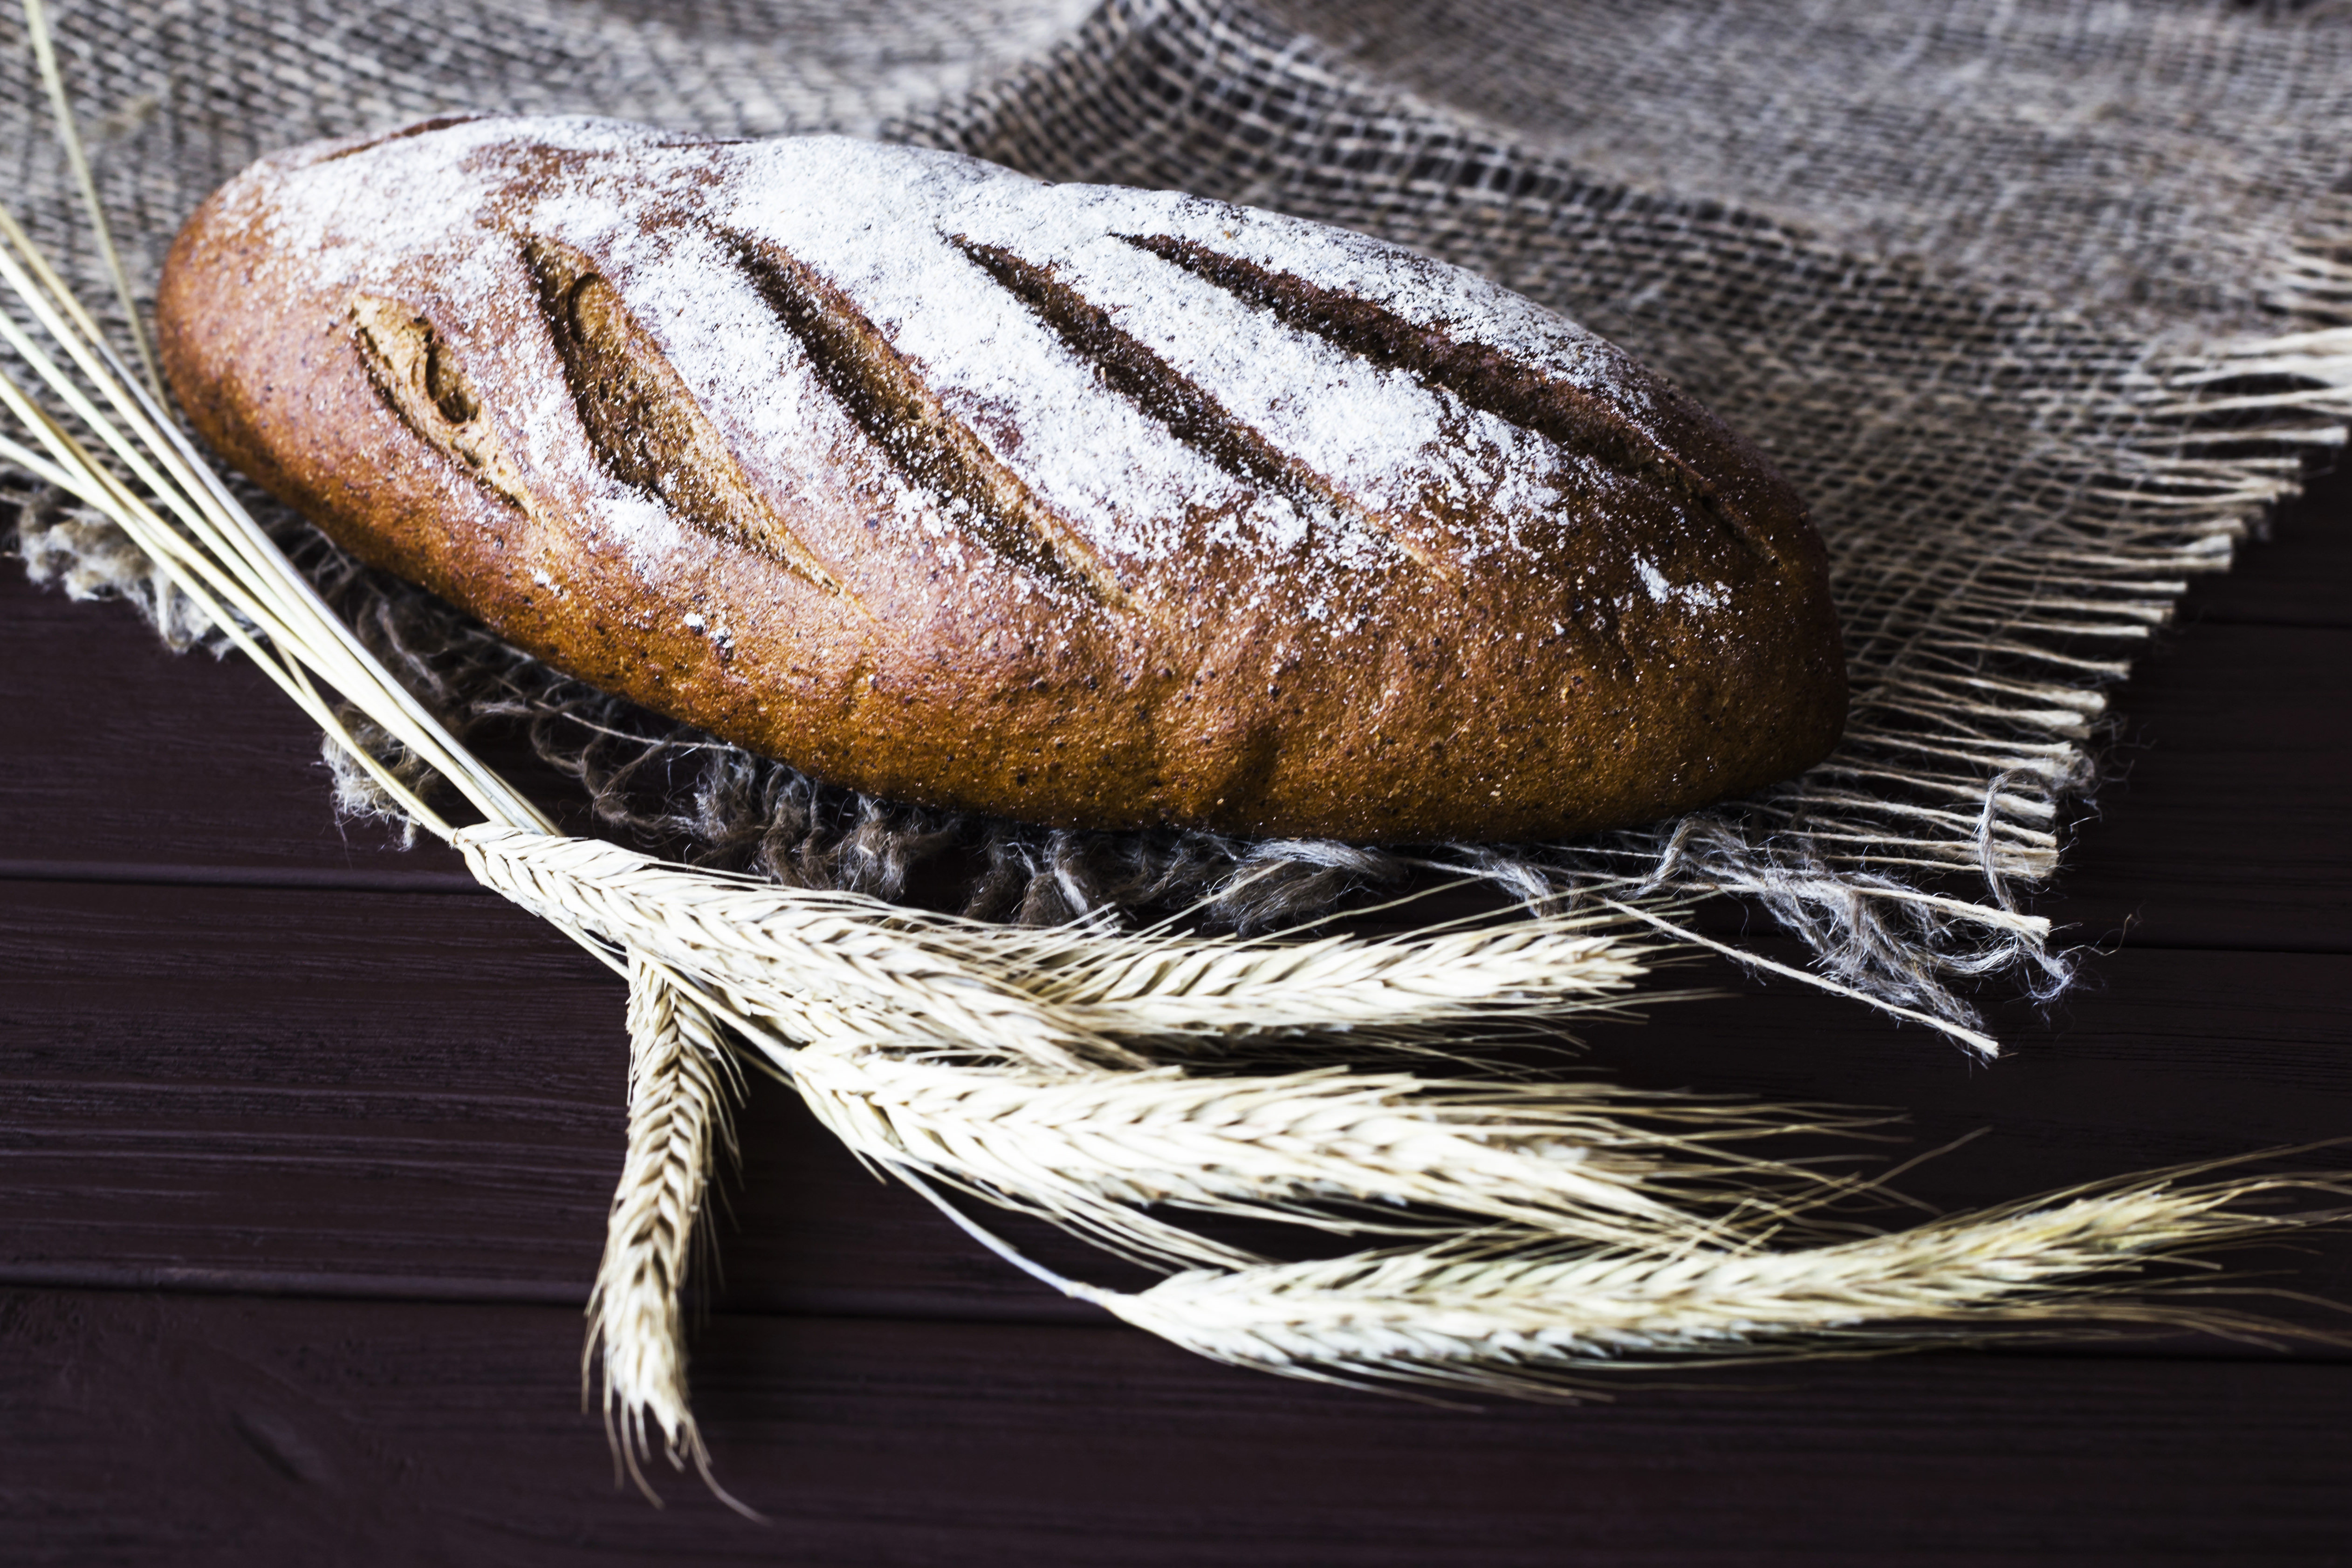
x=305 y=1147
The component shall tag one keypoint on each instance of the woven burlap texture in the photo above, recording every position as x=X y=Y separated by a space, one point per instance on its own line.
x=2041 y=306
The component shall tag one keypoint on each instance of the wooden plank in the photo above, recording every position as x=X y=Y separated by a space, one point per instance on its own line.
x=358 y=1433
x=120 y=755
x=2221 y=822
x=352 y=1094
x=2294 y=576
x=367 y=1093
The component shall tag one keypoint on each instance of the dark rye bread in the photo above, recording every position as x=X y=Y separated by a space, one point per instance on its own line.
x=1083 y=506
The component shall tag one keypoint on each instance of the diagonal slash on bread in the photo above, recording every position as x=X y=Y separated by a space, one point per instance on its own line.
x=1085 y=505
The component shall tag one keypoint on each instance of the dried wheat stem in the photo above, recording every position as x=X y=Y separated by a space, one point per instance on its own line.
x=1570 y=1226
x=201 y=537
x=679 y=1078
x=1985 y=1047
x=1539 y=968
x=45 y=55
x=835 y=967
x=1494 y=1312
x=1346 y=1152
x=826 y=965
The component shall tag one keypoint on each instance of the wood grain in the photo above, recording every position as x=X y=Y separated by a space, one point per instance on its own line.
x=125 y=761
x=305 y=1147
x=369 y=1094
x=350 y=1432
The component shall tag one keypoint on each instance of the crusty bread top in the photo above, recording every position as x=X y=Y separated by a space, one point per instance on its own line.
x=1086 y=505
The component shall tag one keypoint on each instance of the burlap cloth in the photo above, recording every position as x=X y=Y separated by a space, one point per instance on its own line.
x=2032 y=300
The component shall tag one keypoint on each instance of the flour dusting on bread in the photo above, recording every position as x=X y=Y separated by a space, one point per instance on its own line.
x=1089 y=505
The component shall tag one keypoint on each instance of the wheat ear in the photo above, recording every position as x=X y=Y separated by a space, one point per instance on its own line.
x=1352 y=1153
x=680 y=1078
x=1154 y=985
x=843 y=968
x=1019 y=1065
x=893 y=1008
x=1494 y=1312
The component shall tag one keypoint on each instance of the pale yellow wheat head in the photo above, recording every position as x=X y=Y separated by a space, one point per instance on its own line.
x=1104 y=1078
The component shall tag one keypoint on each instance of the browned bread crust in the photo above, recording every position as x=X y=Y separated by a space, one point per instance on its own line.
x=1088 y=507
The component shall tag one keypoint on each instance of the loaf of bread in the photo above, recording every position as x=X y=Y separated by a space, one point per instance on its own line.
x=1083 y=506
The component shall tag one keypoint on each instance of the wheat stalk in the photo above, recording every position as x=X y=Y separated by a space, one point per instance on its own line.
x=890 y=1006
x=1345 y=1152
x=206 y=544
x=1543 y=967
x=1553 y=1226
x=846 y=967
x=680 y=1077
x=1494 y=1312
x=830 y=962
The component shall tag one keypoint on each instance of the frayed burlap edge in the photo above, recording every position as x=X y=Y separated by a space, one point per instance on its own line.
x=1956 y=771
